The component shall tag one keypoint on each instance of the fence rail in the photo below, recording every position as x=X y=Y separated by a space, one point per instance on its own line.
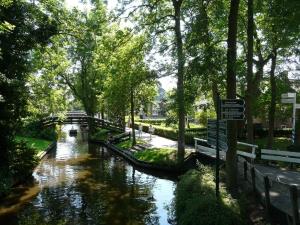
x=273 y=193
x=82 y=119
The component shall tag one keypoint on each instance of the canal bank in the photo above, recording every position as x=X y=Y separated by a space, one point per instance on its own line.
x=80 y=183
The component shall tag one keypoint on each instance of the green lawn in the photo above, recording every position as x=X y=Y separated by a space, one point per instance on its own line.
x=100 y=134
x=161 y=156
x=279 y=142
x=37 y=144
x=127 y=144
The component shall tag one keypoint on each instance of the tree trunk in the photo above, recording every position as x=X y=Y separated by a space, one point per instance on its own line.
x=214 y=88
x=102 y=113
x=297 y=128
x=249 y=91
x=180 y=82
x=231 y=158
x=272 y=108
x=132 y=117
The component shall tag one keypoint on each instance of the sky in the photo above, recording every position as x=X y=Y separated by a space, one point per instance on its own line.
x=168 y=83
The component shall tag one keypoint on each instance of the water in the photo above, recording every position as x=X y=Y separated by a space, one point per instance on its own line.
x=87 y=184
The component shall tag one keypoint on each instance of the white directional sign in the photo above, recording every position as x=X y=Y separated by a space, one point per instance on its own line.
x=288 y=95
x=287 y=100
x=232 y=109
x=291 y=98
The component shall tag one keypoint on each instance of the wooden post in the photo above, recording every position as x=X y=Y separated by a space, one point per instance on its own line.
x=294 y=201
x=245 y=170
x=267 y=197
x=253 y=178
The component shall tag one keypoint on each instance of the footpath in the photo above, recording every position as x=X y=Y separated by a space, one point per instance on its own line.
x=157 y=142
x=274 y=185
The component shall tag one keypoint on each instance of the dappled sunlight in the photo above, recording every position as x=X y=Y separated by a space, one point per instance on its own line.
x=18 y=198
x=79 y=183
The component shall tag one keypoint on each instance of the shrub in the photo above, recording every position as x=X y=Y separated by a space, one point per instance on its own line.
x=35 y=129
x=173 y=135
x=5 y=183
x=196 y=204
x=100 y=134
x=151 y=121
x=22 y=161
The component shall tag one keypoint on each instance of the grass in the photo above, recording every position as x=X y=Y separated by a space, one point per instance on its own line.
x=196 y=203
x=280 y=143
x=102 y=134
x=128 y=143
x=36 y=143
x=160 y=156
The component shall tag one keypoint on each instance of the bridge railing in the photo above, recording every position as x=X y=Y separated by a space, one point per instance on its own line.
x=81 y=118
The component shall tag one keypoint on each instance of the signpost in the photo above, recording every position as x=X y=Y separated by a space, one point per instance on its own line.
x=291 y=98
x=232 y=109
x=227 y=109
x=212 y=133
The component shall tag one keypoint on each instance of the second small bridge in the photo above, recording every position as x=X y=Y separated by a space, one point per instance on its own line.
x=83 y=119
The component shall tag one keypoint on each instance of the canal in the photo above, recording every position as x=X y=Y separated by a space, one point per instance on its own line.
x=80 y=183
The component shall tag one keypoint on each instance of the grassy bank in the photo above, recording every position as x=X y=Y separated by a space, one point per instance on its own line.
x=35 y=143
x=196 y=204
x=102 y=134
x=128 y=144
x=160 y=156
x=280 y=143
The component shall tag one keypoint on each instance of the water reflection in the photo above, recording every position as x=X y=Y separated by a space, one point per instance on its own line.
x=87 y=184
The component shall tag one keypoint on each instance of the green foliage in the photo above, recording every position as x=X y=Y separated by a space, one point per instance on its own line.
x=203 y=115
x=100 y=134
x=160 y=156
x=6 y=183
x=172 y=133
x=196 y=203
x=151 y=121
x=128 y=143
x=29 y=27
x=126 y=80
x=280 y=143
x=23 y=160
x=33 y=128
x=35 y=143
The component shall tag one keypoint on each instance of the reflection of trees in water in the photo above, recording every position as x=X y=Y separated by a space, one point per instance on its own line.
x=108 y=192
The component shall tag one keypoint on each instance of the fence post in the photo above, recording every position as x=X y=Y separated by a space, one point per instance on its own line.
x=267 y=197
x=253 y=152
x=294 y=201
x=245 y=169
x=253 y=178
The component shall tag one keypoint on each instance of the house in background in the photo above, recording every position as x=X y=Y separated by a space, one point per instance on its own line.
x=158 y=107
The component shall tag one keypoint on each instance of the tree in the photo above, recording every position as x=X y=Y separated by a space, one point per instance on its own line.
x=86 y=52
x=162 y=20
x=129 y=83
x=249 y=77
x=23 y=27
x=231 y=157
x=281 y=33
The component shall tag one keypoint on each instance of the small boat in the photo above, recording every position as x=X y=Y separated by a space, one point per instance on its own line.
x=73 y=132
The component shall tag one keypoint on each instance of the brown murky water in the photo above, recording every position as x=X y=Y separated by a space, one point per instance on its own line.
x=87 y=184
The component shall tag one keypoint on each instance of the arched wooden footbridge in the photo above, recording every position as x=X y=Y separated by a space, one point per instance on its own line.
x=81 y=118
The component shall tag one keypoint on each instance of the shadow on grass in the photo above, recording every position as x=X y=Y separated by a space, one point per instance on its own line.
x=196 y=204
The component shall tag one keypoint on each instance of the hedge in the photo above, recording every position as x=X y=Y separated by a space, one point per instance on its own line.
x=173 y=134
x=151 y=121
